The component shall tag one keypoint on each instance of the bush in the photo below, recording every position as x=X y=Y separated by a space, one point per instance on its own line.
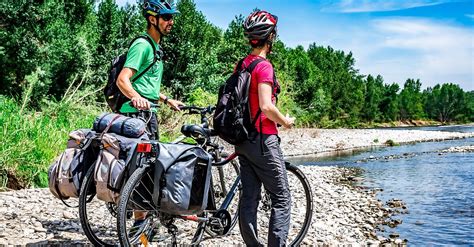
x=32 y=139
x=391 y=143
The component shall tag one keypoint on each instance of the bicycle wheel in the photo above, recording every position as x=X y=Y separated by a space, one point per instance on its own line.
x=301 y=208
x=223 y=179
x=136 y=201
x=97 y=217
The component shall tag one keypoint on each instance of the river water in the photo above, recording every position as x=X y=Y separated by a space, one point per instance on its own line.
x=438 y=188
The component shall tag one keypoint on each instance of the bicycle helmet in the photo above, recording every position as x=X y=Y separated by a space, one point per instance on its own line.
x=159 y=7
x=259 y=25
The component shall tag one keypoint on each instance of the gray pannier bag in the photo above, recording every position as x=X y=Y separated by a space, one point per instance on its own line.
x=68 y=170
x=122 y=125
x=184 y=174
x=113 y=165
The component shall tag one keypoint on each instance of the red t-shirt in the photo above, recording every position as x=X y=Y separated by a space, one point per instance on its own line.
x=262 y=73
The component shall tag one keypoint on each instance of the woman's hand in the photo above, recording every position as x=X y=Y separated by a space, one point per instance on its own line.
x=289 y=121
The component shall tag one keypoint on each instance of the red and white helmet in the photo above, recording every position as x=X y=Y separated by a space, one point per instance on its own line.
x=259 y=25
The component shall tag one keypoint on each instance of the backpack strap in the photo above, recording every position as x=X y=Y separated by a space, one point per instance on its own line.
x=250 y=69
x=252 y=65
x=156 y=57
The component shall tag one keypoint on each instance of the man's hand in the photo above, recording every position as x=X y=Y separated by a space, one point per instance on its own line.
x=140 y=103
x=289 y=121
x=175 y=104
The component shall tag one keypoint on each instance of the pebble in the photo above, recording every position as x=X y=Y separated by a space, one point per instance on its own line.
x=68 y=215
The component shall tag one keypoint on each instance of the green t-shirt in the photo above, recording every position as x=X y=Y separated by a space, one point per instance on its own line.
x=139 y=57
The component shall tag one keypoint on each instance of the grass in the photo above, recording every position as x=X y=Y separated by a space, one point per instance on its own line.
x=32 y=139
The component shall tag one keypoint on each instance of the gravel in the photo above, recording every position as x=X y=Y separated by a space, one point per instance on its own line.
x=343 y=213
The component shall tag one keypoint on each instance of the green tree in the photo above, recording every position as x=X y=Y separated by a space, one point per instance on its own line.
x=445 y=102
x=411 y=105
x=341 y=80
x=373 y=97
x=234 y=46
x=469 y=108
x=389 y=103
x=192 y=49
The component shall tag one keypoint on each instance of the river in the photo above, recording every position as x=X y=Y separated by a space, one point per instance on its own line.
x=438 y=188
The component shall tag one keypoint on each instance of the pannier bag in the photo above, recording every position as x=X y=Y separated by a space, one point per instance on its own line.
x=184 y=172
x=68 y=170
x=122 y=125
x=111 y=167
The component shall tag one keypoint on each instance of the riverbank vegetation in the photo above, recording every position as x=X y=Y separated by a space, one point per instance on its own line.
x=54 y=57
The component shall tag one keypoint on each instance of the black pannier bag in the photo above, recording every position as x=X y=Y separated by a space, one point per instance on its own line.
x=122 y=125
x=184 y=174
x=68 y=170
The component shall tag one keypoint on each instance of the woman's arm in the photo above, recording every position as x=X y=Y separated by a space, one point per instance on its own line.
x=269 y=109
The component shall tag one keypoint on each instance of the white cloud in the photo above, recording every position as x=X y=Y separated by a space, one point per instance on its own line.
x=353 y=6
x=432 y=51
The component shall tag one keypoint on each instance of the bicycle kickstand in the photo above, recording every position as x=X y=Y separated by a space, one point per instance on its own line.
x=173 y=230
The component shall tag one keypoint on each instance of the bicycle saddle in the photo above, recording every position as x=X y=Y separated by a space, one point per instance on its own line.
x=195 y=130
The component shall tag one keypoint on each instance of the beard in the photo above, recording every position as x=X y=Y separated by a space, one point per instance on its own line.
x=167 y=29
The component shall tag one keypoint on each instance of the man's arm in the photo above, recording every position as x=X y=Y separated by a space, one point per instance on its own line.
x=174 y=104
x=125 y=85
x=269 y=109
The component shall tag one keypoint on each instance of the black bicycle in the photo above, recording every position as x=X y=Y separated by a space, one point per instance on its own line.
x=222 y=213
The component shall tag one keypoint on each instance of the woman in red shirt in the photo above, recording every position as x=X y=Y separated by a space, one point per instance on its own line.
x=261 y=159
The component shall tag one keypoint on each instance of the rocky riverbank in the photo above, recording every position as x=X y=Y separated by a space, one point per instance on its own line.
x=297 y=142
x=343 y=214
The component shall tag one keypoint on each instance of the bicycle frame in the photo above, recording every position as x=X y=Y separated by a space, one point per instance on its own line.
x=229 y=195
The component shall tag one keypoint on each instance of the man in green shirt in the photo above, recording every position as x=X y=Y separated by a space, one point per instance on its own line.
x=159 y=15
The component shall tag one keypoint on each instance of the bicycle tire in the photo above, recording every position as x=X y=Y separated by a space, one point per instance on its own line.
x=300 y=222
x=309 y=204
x=87 y=197
x=123 y=209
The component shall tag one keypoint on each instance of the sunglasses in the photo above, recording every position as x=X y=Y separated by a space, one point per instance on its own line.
x=166 y=17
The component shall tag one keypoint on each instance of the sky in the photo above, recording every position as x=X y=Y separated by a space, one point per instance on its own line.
x=430 y=40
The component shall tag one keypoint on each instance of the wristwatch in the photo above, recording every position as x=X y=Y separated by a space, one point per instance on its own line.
x=165 y=101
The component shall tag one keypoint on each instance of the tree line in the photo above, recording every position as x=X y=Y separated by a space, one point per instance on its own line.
x=47 y=46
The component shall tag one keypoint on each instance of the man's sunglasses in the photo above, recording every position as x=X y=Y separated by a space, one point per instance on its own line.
x=166 y=17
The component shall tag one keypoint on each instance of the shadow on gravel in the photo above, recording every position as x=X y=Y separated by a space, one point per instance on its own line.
x=62 y=233
x=59 y=243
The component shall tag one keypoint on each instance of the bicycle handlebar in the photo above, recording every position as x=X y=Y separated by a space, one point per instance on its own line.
x=152 y=105
x=192 y=109
x=198 y=110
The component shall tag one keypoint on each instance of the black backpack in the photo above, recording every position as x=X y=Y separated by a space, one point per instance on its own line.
x=232 y=120
x=114 y=97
